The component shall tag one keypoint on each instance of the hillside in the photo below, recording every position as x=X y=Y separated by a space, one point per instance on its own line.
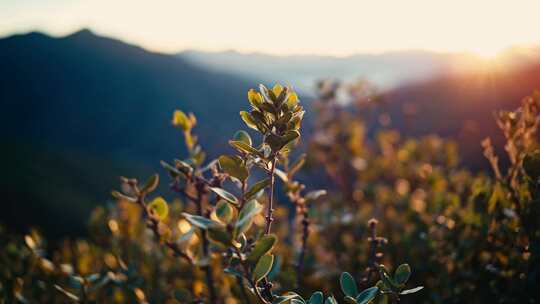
x=111 y=102
x=462 y=107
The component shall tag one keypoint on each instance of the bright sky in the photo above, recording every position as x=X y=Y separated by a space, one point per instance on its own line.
x=331 y=27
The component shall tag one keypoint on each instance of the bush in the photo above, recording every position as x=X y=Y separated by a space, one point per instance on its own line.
x=222 y=237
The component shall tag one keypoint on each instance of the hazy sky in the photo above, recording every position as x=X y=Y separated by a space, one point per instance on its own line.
x=288 y=26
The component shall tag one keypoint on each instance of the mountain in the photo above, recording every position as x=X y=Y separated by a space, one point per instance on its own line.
x=385 y=70
x=81 y=110
x=462 y=107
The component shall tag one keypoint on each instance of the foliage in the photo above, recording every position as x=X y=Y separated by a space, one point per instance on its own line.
x=222 y=237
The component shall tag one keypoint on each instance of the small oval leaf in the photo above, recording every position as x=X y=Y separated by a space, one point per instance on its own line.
x=225 y=195
x=262 y=247
x=159 y=207
x=367 y=295
x=263 y=267
x=316 y=298
x=151 y=184
x=200 y=221
x=348 y=285
x=224 y=211
x=402 y=274
x=243 y=136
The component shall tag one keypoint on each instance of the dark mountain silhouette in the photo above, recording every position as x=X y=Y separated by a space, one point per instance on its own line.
x=81 y=110
x=463 y=107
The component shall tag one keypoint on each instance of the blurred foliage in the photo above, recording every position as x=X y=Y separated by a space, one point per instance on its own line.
x=470 y=237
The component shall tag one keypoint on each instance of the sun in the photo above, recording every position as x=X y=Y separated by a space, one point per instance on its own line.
x=488 y=52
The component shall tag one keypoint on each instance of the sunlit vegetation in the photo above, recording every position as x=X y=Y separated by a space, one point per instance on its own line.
x=399 y=221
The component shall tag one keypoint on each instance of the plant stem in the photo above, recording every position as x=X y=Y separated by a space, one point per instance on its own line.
x=300 y=263
x=240 y=282
x=247 y=274
x=207 y=268
x=270 y=210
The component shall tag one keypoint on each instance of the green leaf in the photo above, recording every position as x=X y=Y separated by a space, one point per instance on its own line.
x=297 y=165
x=260 y=119
x=243 y=136
x=246 y=215
x=220 y=235
x=183 y=166
x=263 y=267
x=234 y=166
x=255 y=98
x=277 y=89
x=200 y=221
x=277 y=142
x=248 y=120
x=348 y=284
x=292 y=100
x=385 y=277
x=151 y=184
x=224 y=211
x=159 y=207
x=66 y=293
x=262 y=247
x=402 y=274
x=412 y=290
x=350 y=300
x=367 y=295
x=282 y=175
x=172 y=170
x=121 y=196
x=316 y=298
x=330 y=300
x=245 y=148
x=290 y=296
x=314 y=195
x=225 y=195
x=258 y=186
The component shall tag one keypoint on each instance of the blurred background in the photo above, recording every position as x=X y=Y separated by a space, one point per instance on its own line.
x=87 y=88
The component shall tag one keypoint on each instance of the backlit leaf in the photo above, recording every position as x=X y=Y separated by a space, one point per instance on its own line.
x=367 y=295
x=225 y=195
x=246 y=215
x=233 y=165
x=316 y=298
x=224 y=211
x=258 y=186
x=412 y=290
x=151 y=184
x=402 y=274
x=262 y=247
x=159 y=207
x=200 y=221
x=348 y=284
x=243 y=136
x=263 y=267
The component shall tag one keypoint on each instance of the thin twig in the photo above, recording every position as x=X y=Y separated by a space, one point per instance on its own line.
x=153 y=224
x=207 y=268
x=270 y=210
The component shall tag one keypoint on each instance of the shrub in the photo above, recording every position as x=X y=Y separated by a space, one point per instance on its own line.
x=221 y=237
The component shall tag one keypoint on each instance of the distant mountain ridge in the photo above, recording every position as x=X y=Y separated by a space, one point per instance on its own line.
x=386 y=70
x=81 y=110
